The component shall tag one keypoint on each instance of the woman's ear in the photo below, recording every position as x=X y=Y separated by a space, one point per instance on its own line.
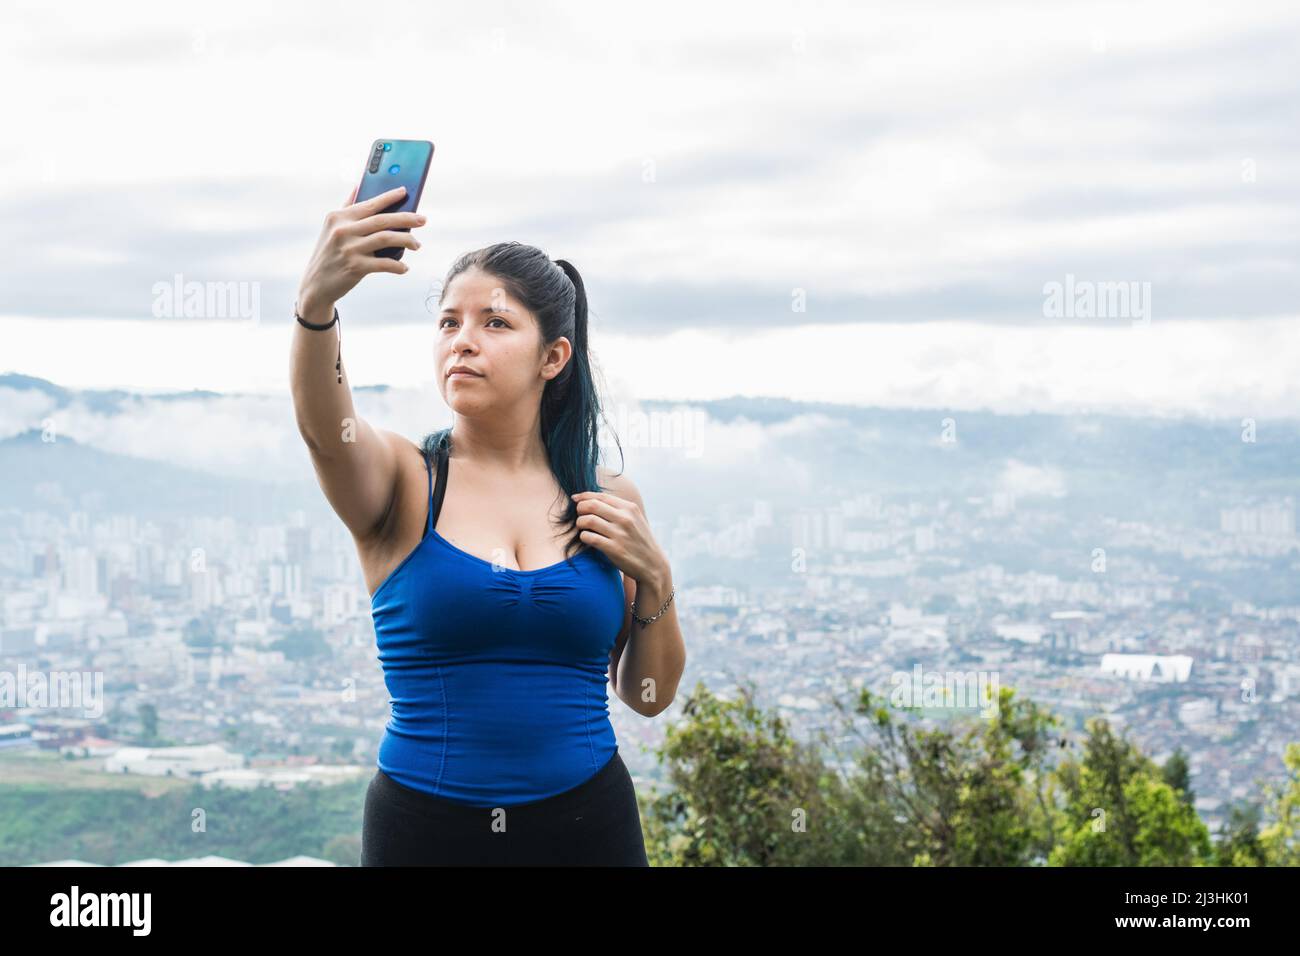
x=557 y=357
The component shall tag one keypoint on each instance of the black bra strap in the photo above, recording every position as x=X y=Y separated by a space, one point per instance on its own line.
x=436 y=496
x=428 y=517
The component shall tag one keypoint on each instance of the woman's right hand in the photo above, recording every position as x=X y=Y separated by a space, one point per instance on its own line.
x=345 y=250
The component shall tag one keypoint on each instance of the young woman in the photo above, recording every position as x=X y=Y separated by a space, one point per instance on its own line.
x=510 y=582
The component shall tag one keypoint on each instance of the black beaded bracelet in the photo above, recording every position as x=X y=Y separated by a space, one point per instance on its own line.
x=338 y=361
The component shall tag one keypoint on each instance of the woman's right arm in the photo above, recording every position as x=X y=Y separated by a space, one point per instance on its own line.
x=356 y=464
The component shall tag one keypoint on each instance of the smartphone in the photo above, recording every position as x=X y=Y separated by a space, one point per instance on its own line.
x=392 y=163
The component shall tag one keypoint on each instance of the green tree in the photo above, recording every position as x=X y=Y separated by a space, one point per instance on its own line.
x=1279 y=838
x=901 y=790
x=1119 y=812
x=1176 y=773
x=743 y=792
x=343 y=850
x=1239 y=843
x=975 y=794
x=148 y=723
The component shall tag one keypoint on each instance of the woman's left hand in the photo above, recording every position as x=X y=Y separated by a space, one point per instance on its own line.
x=618 y=527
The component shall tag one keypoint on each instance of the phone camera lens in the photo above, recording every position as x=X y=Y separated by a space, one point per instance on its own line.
x=387 y=147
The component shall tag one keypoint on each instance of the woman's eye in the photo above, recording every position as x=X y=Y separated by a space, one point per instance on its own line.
x=495 y=318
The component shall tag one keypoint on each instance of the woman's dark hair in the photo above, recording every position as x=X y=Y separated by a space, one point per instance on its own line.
x=571 y=410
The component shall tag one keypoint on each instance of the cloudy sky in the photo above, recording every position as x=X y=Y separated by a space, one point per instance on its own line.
x=821 y=201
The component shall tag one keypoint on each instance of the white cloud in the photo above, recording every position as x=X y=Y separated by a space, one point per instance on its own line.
x=23 y=409
x=1226 y=368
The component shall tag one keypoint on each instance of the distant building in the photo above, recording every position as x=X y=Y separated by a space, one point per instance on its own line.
x=14 y=736
x=90 y=747
x=1156 y=668
x=281 y=778
x=1026 y=633
x=173 y=761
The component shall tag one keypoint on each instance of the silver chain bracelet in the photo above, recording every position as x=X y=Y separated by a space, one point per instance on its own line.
x=643 y=621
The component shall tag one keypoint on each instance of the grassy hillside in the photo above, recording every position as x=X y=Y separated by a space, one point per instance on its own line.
x=53 y=809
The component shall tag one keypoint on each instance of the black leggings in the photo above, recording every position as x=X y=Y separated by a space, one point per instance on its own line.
x=594 y=824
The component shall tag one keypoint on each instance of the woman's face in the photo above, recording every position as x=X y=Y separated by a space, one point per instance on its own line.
x=482 y=327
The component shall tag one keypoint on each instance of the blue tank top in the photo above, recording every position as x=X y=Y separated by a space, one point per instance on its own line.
x=496 y=678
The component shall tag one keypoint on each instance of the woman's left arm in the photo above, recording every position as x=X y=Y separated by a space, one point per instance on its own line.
x=648 y=660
